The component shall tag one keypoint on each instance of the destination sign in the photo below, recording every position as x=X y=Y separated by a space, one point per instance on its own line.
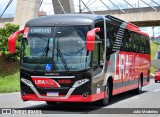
x=40 y=30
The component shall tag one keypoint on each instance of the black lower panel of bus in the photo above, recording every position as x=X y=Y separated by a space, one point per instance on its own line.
x=64 y=87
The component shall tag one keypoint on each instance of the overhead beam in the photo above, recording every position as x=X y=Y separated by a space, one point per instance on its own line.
x=146 y=23
x=139 y=16
x=63 y=6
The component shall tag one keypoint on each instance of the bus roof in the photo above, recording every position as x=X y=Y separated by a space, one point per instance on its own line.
x=64 y=19
x=78 y=19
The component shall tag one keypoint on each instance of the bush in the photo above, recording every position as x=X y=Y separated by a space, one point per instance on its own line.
x=5 y=32
x=158 y=43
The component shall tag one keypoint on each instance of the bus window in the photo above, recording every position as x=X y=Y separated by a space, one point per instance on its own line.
x=26 y=47
x=148 y=45
x=95 y=55
x=111 y=31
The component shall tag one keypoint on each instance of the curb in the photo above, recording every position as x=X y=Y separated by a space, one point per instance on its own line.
x=152 y=75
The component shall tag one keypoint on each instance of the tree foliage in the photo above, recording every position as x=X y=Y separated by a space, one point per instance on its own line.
x=5 y=32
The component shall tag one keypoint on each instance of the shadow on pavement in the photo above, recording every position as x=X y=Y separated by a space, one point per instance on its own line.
x=124 y=96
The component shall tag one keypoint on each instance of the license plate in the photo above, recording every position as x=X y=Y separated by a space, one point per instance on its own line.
x=52 y=94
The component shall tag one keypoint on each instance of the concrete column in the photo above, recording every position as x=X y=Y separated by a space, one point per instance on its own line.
x=26 y=10
x=67 y=5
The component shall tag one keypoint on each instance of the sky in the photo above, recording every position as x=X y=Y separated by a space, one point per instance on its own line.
x=11 y=9
x=95 y=5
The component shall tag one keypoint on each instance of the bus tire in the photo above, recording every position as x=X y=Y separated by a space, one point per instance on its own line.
x=139 y=89
x=105 y=101
x=51 y=103
x=155 y=81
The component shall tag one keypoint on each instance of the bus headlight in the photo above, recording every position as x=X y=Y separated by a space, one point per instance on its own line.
x=27 y=82
x=80 y=82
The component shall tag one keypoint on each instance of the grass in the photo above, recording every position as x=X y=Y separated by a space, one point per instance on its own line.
x=153 y=69
x=9 y=76
x=154 y=49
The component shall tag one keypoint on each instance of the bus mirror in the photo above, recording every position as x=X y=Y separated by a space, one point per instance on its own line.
x=12 y=41
x=91 y=38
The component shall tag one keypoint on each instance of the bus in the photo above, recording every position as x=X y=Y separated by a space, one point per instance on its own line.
x=81 y=58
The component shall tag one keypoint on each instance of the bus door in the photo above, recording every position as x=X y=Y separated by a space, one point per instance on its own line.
x=98 y=59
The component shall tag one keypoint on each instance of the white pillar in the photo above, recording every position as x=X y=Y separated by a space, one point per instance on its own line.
x=26 y=10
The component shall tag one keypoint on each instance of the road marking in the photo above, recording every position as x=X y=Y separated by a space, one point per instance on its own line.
x=137 y=97
x=157 y=90
x=34 y=102
x=14 y=93
x=29 y=102
x=152 y=74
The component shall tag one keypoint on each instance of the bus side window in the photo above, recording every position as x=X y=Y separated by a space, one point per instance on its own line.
x=147 y=45
x=25 y=46
x=111 y=31
x=95 y=55
x=136 y=42
x=124 y=42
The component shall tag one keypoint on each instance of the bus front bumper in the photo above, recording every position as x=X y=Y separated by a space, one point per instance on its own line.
x=71 y=98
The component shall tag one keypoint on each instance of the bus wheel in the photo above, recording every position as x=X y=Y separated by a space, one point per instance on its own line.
x=139 y=89
x=51 y=103
x=105 y=101
x=155 y=81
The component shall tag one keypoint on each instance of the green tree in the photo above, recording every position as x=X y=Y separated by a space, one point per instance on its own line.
x=5 y=32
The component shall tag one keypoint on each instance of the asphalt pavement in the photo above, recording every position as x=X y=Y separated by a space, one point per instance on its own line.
x=149 y=98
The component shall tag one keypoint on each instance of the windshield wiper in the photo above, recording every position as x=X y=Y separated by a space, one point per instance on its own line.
x=45 y=53
x=63 y=60
x=61 y=57
x=47 y=49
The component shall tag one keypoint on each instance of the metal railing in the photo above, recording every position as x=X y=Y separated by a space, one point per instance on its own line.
x=123 y=6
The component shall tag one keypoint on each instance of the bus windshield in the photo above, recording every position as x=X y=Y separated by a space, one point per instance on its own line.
x=56 y=49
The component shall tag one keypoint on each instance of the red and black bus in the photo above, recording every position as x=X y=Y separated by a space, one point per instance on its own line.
x=81 y=58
